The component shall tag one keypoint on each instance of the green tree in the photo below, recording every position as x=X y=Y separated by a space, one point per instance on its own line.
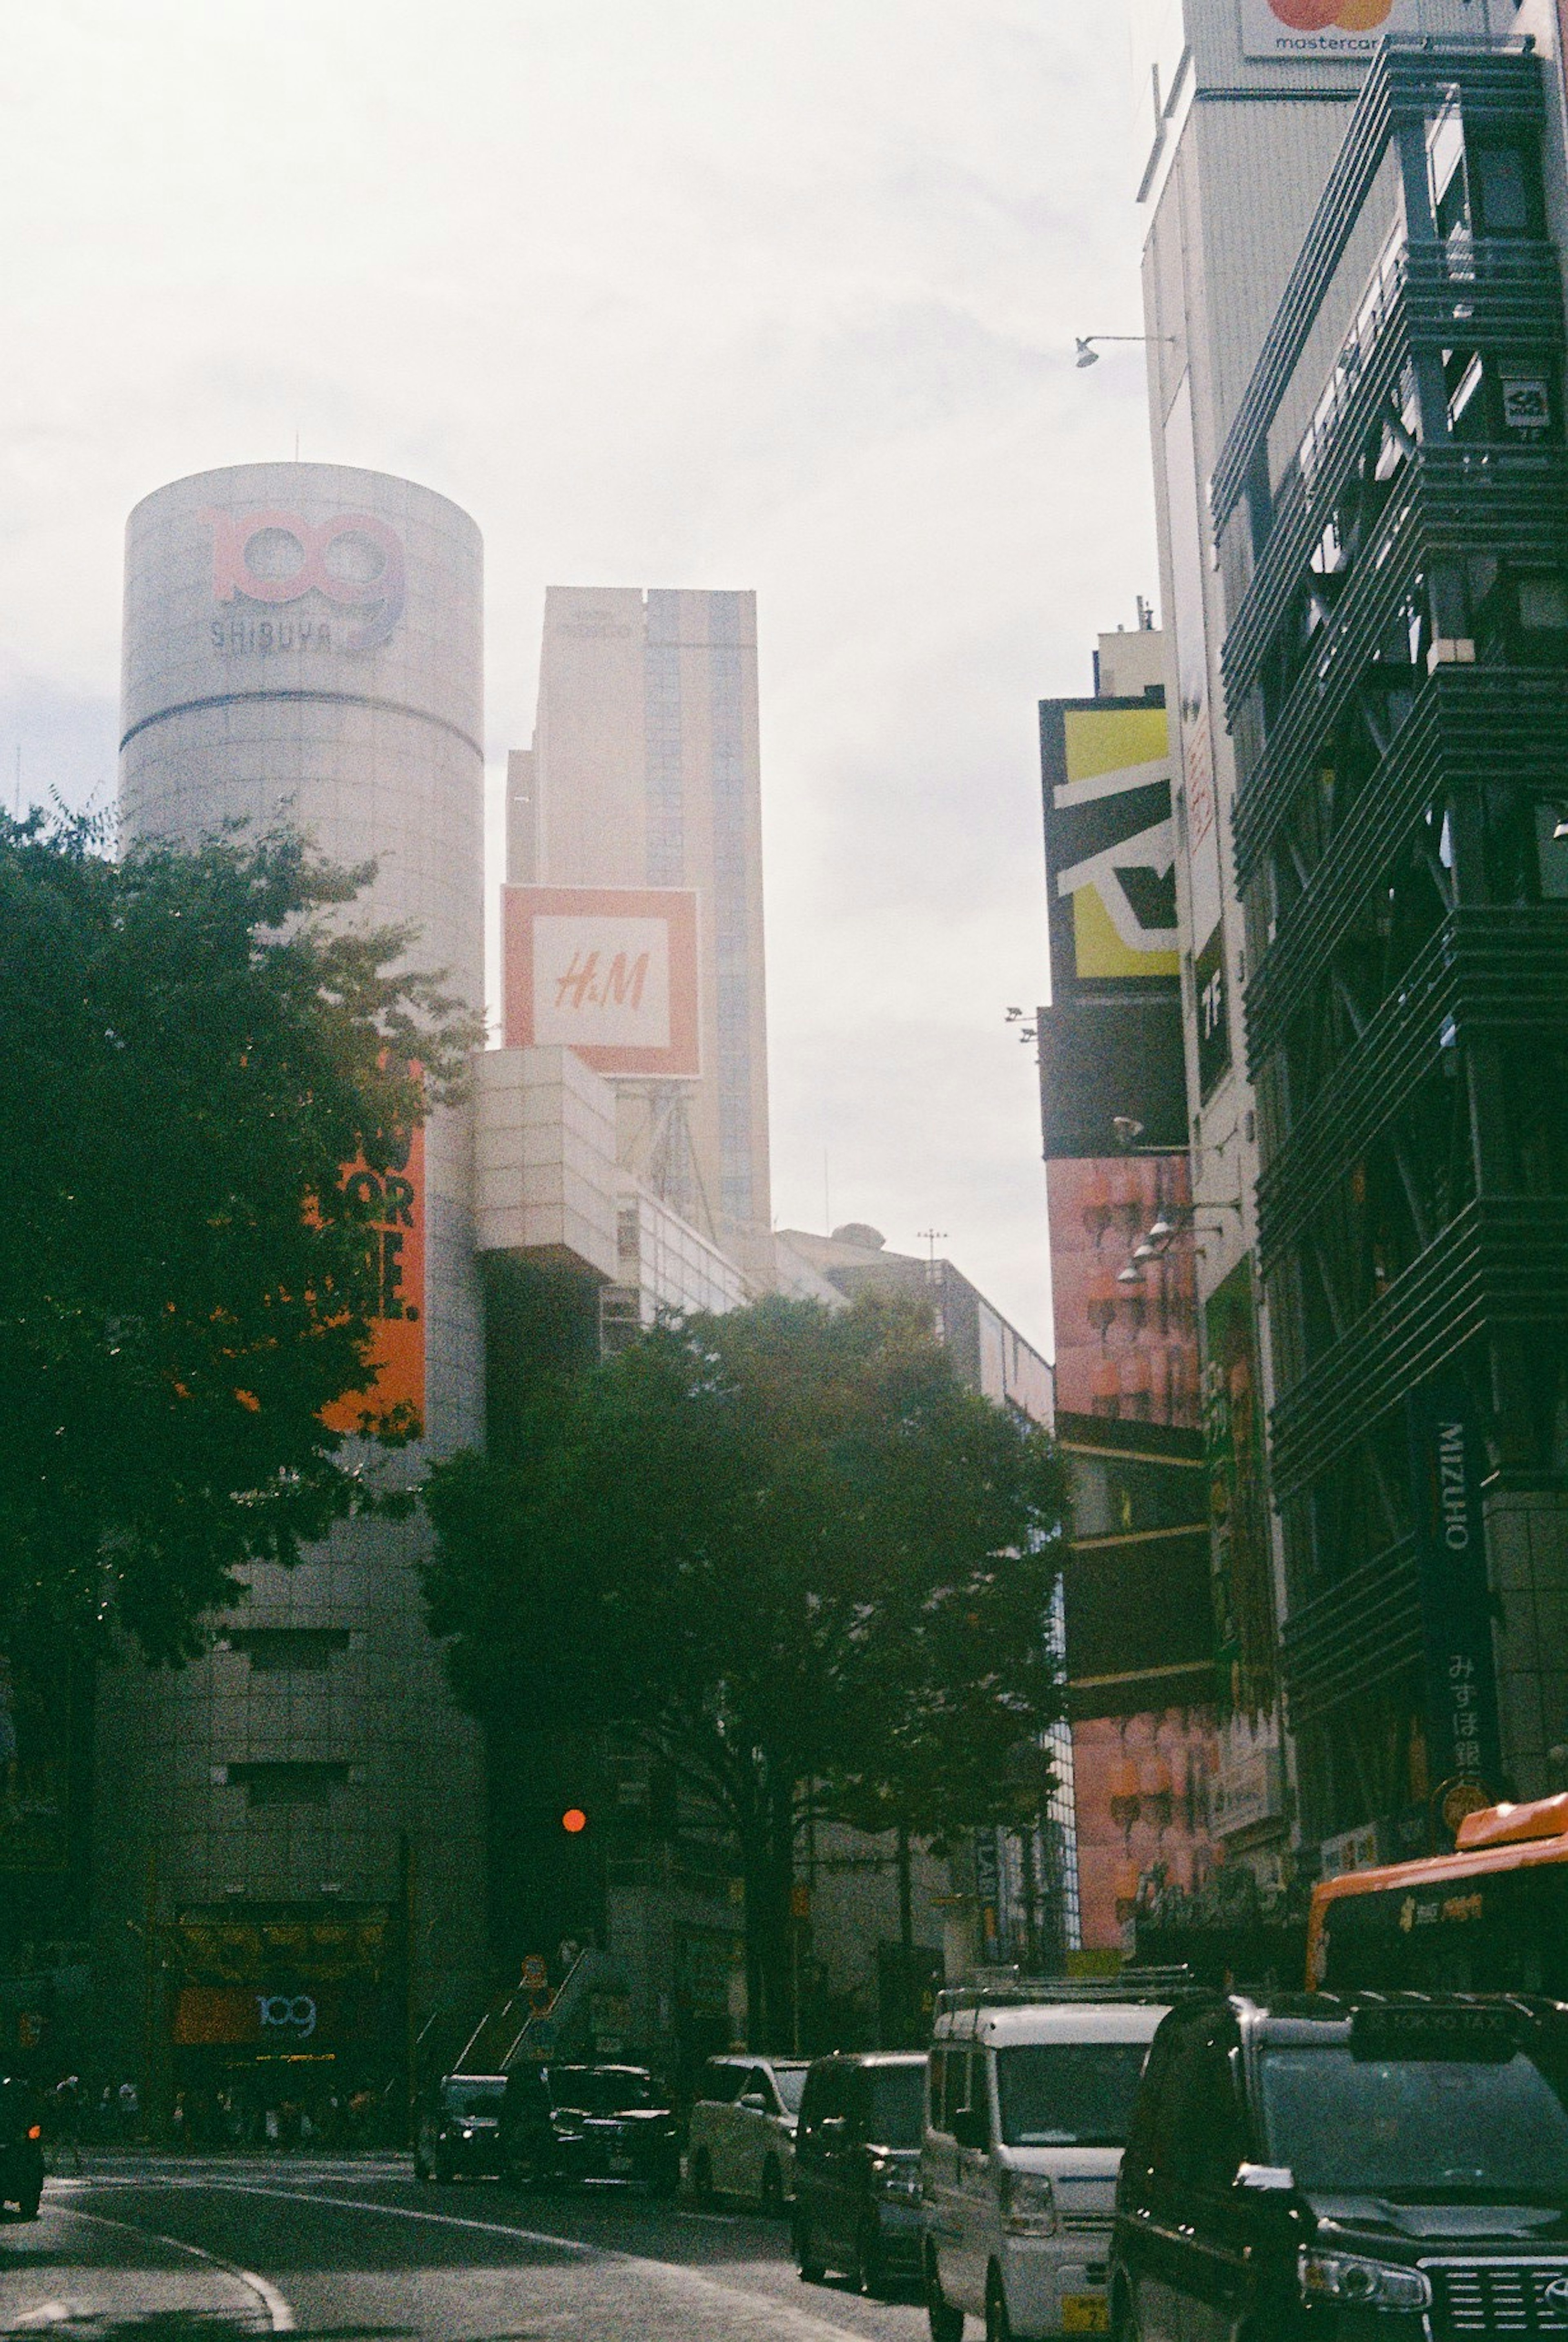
x=793 y=1551
x=193 y=1046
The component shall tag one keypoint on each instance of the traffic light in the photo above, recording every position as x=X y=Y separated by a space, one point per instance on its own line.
x=574 y=1821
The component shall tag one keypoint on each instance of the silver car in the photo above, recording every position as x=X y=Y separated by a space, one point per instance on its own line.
x=741 y=2140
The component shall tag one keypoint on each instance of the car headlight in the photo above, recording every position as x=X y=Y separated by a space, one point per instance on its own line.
x=1366 y=2284
x=1028 y=2204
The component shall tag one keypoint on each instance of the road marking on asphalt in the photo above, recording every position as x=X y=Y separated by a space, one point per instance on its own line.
x=799 y=2322
x=47 y=2313
x=280 y=2316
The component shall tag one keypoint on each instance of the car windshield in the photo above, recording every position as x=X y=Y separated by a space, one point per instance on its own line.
x=897 y=2108
x=1069 y=2092
x=1408 y=2125
x=599 y=2090
x=790 y=2083
x=466 y=2098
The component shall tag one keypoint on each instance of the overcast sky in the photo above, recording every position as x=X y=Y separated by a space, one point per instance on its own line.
x=688 y=293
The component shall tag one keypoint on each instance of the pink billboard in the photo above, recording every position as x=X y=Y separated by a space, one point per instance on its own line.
x=1124 y=1350
x=1141 y=1787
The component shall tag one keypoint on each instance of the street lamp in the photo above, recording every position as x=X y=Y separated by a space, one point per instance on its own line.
x=1089 y=356
x=1160 y=1234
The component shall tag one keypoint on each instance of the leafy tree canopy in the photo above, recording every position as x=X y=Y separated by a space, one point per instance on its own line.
x=194 y=1047
x=790 y=1548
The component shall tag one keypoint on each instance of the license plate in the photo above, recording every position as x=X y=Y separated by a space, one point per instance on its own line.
x=620 y=2164
x=1086 y=2313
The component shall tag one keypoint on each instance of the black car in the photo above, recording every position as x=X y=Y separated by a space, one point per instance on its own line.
x=1322 y=2169
x=459 y=2127
x=20 y=2148
x=588 y=2122
x=857 y=2168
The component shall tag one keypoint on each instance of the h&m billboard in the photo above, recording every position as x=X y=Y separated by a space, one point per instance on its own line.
x=610 y=972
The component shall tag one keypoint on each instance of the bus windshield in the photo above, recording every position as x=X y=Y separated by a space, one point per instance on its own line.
x=1413 y=2127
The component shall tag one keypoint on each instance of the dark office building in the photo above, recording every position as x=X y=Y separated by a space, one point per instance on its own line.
x=1391 y=505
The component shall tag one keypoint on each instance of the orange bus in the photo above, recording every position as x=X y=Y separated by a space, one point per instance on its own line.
x=1492 y=1916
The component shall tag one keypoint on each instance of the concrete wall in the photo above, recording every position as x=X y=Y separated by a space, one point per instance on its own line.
x=545 y=1157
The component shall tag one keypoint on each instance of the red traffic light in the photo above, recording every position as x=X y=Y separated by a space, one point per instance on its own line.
x=573 y=1820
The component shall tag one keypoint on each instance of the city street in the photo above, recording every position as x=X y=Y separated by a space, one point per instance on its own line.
x=347 y=2249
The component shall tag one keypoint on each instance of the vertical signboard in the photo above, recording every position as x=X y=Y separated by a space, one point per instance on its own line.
x=1242 y=1579
x=1197 y=746
x=391 y=1204
x=1461 y=1728
x=1111 y=1047
x=1110 y=851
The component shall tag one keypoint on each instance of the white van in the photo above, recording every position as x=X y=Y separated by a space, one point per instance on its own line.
x=1027 y=2107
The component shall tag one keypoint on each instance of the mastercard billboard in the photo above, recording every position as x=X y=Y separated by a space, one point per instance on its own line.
x=608 y=971
x=1291 y=29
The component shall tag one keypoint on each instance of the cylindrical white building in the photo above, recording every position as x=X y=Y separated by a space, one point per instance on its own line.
x=302 y=1813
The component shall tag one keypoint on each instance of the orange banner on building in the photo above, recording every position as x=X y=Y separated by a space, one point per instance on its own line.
x=392 y=1204
x=1143 y=1788
x=1128 y=1351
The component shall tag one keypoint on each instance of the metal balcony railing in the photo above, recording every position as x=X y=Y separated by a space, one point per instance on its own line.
x=1486 y=970
x=1450 y=503
x=1495 y=295
x=1500 y=1261
x=1404 y=83
x=1354 y=1636
x=1468 y=725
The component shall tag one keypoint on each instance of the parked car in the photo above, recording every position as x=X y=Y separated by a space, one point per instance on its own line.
x=741 y=2136
x=1027 y=2110
x=1315 y=2169
x=857 y=2168
x=570 y=2123
x=20 y=2148
x=458 y=2127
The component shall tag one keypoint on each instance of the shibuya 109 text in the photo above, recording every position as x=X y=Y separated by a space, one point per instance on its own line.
x=263 y=635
